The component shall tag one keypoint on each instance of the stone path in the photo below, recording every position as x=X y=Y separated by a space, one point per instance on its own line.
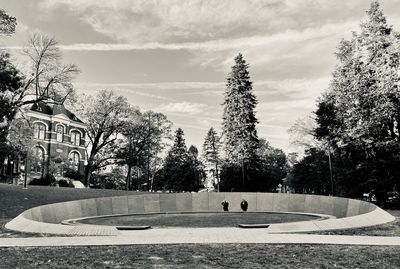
x=198 y=236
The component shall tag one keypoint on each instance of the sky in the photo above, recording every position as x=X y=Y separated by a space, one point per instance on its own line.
x=173 y=56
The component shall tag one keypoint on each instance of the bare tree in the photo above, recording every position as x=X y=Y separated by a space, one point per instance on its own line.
x=50 y=80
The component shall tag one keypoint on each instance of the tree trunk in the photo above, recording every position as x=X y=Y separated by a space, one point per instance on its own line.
x=89 y=166
x=88 y=171
x=216 y=174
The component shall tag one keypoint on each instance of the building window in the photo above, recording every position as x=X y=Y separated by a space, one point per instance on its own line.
x=60 y=133
x=74 y=159
x=75 y=138
x=39 y=131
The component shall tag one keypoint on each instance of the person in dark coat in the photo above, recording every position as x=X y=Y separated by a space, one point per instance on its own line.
x=225 y=205
x=244 y=205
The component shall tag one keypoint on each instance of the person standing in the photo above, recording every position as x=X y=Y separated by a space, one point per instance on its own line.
x=225 y=205
x=244 y=205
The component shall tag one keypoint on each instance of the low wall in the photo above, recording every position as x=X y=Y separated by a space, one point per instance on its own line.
x=350 y=213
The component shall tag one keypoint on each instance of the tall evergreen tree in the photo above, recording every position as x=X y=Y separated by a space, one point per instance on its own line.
x=178 y=152
x=172 y=177
x=239 y=121
x=359 y=116
x=211 y=154
x=182 y=171
x=239 y=127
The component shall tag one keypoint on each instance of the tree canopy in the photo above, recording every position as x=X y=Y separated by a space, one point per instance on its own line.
x=182 y=171
x=359 y=115
x=104 y=115
x=7 y=23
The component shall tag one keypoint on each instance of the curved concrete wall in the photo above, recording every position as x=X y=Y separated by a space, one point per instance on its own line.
x=349 y=213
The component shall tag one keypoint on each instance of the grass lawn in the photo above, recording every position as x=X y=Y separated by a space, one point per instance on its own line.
x=203 y=256
x=220 y=219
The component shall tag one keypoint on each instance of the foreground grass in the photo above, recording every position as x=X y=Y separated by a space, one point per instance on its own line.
x=203 y=256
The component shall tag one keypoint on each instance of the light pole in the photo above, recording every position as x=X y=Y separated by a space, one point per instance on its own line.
x=5 y=167
x=243 y=186
x=62 y=169
x=11 y=171
x=26 y=172
x=216 y=175
x=137 y=174
x=330 y=166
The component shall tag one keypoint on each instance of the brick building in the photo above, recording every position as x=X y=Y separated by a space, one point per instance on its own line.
x=59 y=136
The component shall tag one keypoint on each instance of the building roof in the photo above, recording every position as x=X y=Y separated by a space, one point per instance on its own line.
x=54 y=109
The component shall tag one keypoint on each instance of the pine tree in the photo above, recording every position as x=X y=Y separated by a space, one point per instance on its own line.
x=175 y=165
x=211 y=147
x=239 y=121
x=196 y=167
x=178 y=153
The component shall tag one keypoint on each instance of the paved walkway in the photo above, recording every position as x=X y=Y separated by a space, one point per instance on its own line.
x=199 y=236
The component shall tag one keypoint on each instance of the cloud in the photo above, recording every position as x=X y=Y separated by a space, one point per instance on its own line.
x=197 y=127
x=220 y=44
x=160 y=85
x=291 y=89
x=163 y=21
x=183 y=107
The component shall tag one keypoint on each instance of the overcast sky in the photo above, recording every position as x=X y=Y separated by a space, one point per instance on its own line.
x=173 y=56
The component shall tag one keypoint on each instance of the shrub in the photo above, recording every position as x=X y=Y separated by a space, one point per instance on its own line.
x=65 y=183
x=114 y=180
x=73 y=174
x=47 y=180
